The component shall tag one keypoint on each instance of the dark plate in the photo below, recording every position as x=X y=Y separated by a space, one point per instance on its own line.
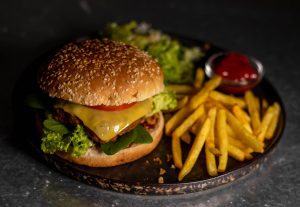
x=141 y=176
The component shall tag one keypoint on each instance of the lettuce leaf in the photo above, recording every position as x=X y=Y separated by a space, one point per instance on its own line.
x=163 y=102
x=55 y=126
x=80 y=142
x=57 y=137
x=137 y=135
x=54 y=141
x=176 y=61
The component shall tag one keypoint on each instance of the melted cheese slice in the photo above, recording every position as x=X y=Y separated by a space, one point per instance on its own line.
x=107 y=124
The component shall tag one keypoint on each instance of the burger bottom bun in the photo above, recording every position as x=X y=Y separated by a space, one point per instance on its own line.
x=96 y=158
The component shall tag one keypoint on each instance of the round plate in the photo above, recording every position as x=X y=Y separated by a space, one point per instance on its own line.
x=141 y=176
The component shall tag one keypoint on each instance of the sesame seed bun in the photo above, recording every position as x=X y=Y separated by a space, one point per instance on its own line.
x=96 y=158
x=101 y=72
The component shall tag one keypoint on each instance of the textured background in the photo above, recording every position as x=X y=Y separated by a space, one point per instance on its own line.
x=268 y=30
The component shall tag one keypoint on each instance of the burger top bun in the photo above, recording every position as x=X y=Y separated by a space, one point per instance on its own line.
x=101 y=72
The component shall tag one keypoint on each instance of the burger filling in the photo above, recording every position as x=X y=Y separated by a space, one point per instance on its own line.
x=74 y=128
x=107 y=124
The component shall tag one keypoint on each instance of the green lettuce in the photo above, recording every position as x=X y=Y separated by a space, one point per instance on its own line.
x=163 y=102
x=176 y=61
x=57 y=137
x=138 y=135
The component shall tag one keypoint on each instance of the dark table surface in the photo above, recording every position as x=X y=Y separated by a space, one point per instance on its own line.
x=268 y=30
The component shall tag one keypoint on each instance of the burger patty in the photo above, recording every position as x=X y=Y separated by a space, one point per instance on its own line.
x=71 y=120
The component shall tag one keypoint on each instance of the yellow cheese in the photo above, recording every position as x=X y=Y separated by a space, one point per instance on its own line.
x=107 y=124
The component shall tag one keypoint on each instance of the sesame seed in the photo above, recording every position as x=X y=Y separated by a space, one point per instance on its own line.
x=80 y=67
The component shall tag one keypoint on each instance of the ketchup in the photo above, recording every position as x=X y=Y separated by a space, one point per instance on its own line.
x=113 y=108
x=237 y=68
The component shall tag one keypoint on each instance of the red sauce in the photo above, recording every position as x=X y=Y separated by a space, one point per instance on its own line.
x=113 y=108
x=237 y=68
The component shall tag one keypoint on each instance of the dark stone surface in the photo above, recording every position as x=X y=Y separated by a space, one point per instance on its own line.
x=268 y=30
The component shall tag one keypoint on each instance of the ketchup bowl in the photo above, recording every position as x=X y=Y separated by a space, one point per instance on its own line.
x=239 y=72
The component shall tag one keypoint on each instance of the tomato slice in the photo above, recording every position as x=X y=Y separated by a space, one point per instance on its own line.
x=113 y=108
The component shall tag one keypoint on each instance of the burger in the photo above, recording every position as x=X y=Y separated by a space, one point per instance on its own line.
x=106 y=98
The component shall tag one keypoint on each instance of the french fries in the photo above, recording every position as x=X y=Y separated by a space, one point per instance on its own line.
x=195 y=150
x=230 y=131
x=181 y=89
x=190 y=120
x=186 y=137
x=182 y=102
x=227 y=99
x=202 y=95
x=210 y=149
x=243 y=134
x=253 y=110
x=226 y=126
x=264 y=105
x=213 y=103
x=266 y=121
x=236 y=153
x=241 y=146
x=240 y=114
x=237 y=143
x=197 y=125
x=199 y=78
x=176 y=151
x=242 y=117
x=222 y=139
x=176 y=119
x=274 y=122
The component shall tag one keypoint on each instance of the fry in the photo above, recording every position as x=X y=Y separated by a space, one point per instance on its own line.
x=242 y=117
x=186 y=137
x=190 y=120
x=270 y=113
x=253 y=111
x=212 y=114
x=210 y=145
x=195 y=150
x=273 y=124
x=248 y=127
x=237 y=143
x=230 y=131
x=211 y=165
x=182 y=102
x=240 y=114
x=212 y=83
x=222 y=139
x=197 y=125
x=236 y=153
x=198 y=99
x=265 y=105
x=248 y=152
x=176 y=119
x=227 y=99
x=243 y=134
x=176 y=151
x=202 y=95
x=185 y=89
x=199 y=78
x=215 y=151
x=213 y=103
